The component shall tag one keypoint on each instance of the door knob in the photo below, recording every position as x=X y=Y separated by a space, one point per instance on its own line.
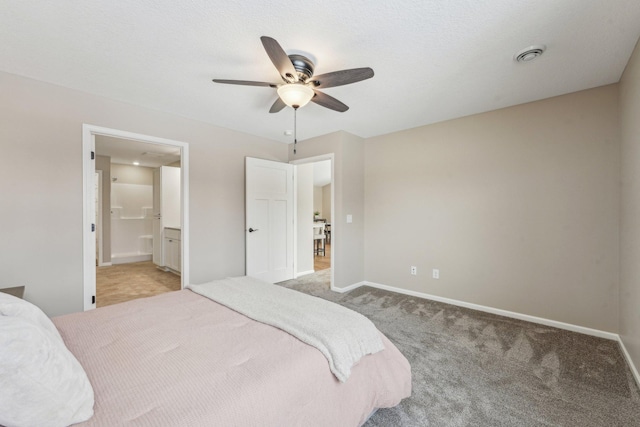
x=251 y=230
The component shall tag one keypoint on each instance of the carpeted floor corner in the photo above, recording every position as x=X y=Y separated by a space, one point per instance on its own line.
x=472 y=368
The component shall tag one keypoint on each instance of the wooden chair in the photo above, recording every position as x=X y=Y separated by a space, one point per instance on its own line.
x=319 y=238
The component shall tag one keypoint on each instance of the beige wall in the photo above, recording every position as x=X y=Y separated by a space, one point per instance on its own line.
x=304 y=205
x=348 y=166
x=41 y=186
x=326 y=203
x=630 y=211
x=518 y=208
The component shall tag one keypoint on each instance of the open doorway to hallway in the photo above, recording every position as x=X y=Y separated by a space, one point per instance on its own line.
x=322 y=188
x=315 y=234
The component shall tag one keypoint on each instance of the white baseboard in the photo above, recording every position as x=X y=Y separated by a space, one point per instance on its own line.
x=506 y=313
x=129 y=258
x=627 y=356
x=105 y=264
x=348 y=288
x=303 y=273
x=500 y=312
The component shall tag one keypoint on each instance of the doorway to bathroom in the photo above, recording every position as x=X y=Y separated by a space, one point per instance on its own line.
x=139 y=221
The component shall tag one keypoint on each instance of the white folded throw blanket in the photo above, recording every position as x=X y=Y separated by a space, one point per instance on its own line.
x=342 y=335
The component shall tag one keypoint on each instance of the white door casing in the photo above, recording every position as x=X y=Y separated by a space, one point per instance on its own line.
x=88 y=187
x=99 y=229
x=88 y=218
x=335 y=226
x=269 y=220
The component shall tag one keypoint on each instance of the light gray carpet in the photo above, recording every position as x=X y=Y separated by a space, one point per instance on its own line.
x=477 y=369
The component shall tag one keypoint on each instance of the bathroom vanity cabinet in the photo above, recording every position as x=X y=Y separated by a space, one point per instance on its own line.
x=172 y=249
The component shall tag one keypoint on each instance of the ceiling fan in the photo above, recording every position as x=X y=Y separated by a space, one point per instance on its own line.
x=300 y=85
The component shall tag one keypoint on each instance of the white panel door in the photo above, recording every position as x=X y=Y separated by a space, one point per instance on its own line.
x=269 y=220
x=170 y=196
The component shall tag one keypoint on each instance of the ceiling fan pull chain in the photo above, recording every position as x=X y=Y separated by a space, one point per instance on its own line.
x=295 y=129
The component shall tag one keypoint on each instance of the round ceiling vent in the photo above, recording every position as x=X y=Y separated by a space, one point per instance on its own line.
x=529 y=54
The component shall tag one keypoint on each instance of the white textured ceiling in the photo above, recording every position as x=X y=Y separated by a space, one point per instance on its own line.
x=126 y=151
x=433 y=59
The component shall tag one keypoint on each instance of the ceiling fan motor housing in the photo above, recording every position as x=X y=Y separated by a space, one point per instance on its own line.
x=300 y=86
x=303 y=66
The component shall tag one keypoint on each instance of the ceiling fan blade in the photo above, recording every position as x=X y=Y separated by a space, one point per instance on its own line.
x=244 y=83
x=277 y=106
x=280 y=59
x=339 y=78
x=328 y=102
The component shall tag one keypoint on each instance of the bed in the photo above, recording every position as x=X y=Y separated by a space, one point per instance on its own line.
x=182 y=359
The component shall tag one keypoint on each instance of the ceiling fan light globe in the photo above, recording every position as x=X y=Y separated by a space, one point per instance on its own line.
x=295 y=95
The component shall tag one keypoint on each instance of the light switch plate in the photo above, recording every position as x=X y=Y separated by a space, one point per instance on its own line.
x=349 y=219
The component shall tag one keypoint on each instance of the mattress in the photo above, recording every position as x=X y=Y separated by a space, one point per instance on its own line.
x=180 y=359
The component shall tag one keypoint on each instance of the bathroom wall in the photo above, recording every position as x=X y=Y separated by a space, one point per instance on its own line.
x=131 y=213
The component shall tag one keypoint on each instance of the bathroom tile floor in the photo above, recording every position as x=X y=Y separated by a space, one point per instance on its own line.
x=124 y=282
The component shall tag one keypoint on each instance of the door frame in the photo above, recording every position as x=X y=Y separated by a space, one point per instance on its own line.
x=89 y=133
x=99 y=229
x=334 y=223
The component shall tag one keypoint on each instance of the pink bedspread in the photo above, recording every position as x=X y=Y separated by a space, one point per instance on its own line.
x=180 y=359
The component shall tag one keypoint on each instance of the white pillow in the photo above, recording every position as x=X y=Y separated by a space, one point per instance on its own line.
x=16 y=307
x=41 y=382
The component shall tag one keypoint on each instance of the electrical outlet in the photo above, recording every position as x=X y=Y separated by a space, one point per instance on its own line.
x=414 y=270
x=436 y=273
